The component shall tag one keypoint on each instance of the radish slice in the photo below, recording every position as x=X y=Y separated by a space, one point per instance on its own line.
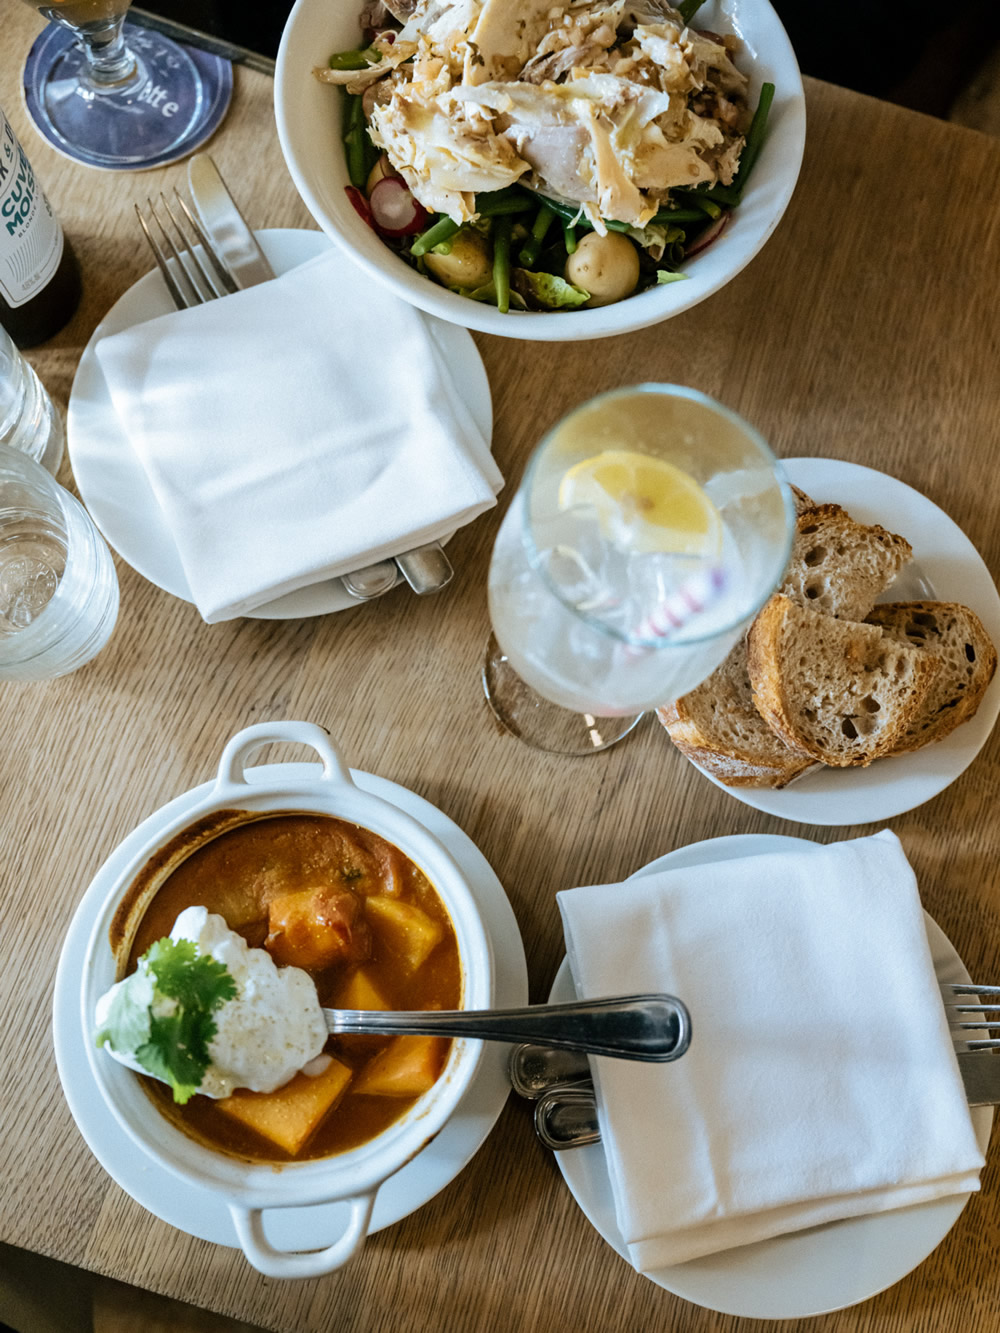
x=395 y=212
x=360 y=203
x=710 y=234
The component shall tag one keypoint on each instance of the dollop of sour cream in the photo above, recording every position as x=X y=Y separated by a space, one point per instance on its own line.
x=271 y=1030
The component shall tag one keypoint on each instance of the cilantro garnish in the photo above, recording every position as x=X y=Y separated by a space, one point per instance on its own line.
x=162 y=1017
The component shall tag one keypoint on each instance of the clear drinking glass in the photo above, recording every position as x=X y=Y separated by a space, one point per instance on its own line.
x=58 y=587
x=28 y=417
x=108 y=101
x=651 y=525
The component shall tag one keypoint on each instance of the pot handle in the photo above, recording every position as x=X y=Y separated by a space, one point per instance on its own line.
x=301 y=1263
x=246 y=742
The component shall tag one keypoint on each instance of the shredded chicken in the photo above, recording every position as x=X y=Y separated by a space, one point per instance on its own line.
x=605 y=105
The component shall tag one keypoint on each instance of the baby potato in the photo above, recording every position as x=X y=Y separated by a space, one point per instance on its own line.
x=468 y=263
x=382 y=168
x=605 y=266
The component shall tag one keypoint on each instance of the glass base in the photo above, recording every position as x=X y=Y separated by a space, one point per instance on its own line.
x=523 y=712
x=136 y=124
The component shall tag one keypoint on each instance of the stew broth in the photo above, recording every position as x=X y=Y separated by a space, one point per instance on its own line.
x=251 y=875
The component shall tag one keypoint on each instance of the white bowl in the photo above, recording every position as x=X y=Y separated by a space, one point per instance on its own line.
x=308 y=118
x=353 y=1176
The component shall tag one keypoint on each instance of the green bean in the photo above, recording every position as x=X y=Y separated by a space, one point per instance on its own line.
x=543 y=220
x=354 y=59
x=501 y=262
x=569 y=237
x=679 y=215
x=442 y=230
x=490 y=206
x=755 y=139
x=571 y=213
x=354 y=140
x=708 y=206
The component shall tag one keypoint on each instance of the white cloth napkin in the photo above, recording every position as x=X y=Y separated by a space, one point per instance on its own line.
x=820 y=1082
x=296 y=431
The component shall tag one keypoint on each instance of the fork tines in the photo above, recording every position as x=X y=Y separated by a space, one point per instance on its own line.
x=976 y=1007
x=187 y=278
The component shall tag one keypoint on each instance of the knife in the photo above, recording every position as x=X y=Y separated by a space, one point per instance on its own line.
x=980 y=1072
x=426 y=569
x=226 y=225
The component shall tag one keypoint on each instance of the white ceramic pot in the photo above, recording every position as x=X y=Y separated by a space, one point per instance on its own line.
x=354 y=1176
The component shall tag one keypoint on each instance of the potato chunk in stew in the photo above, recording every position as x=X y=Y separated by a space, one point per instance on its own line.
x=316 y=928
x=408 y=1067
x=361 y=992
x=406 y=930
x=290 y=1116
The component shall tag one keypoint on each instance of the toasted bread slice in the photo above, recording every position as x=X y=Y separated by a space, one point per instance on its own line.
x=718 y=728
x=839 y=566
x=836 y=564
x=844 y=692
x=956 y=637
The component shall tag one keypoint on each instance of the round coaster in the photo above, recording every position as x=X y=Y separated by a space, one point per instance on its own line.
x=214 y=72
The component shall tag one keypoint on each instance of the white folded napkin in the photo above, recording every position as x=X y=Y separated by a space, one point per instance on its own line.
x=295 y=431
x=820 y=1082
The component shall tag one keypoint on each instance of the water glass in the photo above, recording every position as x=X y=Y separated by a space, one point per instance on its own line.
x=651 y=525
x=28 y=417
x=58 y=587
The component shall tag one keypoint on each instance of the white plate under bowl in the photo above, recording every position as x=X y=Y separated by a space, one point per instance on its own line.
x=945 y=567
x=113 y=483
x=308 y=118
x=201 y=1212
x=806 y=1272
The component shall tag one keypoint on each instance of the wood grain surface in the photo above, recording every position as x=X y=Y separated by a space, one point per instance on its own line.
x=866 y=330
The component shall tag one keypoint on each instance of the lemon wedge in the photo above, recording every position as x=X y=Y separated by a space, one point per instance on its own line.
x=644 y=503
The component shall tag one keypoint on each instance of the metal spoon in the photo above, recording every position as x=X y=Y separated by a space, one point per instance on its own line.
x=629 y=1027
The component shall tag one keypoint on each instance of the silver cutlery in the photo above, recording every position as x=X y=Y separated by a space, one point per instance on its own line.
x=955 y=1007
x=629 y=1027
x=565 y=1115
x=426 y=569
x=372 y=581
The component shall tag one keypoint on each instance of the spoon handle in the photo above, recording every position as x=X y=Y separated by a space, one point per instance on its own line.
x=629 y=1027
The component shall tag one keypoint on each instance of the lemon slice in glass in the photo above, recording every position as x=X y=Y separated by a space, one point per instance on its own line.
x=644 y=504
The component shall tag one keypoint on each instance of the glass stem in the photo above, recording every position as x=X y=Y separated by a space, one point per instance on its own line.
x=110 y=62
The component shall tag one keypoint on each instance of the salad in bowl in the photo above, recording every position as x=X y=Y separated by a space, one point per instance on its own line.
x=576 y=159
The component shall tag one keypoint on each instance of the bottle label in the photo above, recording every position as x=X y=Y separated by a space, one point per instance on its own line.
x=31 y=239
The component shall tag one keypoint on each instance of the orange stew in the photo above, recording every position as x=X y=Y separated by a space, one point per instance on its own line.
x=368 y=926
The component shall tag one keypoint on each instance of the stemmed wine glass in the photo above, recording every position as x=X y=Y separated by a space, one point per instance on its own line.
x=651 y=525
x=104 y=100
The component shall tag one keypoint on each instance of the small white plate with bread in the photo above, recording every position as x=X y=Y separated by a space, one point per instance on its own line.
x=866 y=685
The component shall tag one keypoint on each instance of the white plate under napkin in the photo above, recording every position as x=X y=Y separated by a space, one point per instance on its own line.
x=820 y=1082
x=295 y=431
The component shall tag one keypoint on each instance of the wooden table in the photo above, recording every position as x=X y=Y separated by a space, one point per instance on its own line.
x=866 y=330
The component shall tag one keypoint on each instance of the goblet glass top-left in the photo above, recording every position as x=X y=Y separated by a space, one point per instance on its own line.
x=107 y=95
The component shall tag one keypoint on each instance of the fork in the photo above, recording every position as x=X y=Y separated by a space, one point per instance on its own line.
x=958 y=1008
x=190 y=283
x=190 y=293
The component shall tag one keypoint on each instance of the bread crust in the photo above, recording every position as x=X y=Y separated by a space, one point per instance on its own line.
x=776 y=768
x=956 y=635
